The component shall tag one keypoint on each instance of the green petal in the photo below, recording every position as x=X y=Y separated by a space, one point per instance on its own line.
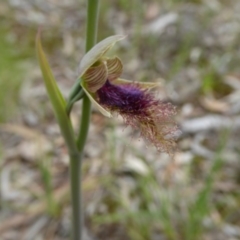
x=97 y=52
x=115 y=67
x=143 y=85
x=95 y=77
x=92 y=99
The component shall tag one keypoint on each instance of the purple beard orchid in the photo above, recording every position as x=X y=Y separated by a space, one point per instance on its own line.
x=133 y=101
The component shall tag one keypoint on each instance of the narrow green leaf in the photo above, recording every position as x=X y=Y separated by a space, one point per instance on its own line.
x=50 y=83
x=56 y=98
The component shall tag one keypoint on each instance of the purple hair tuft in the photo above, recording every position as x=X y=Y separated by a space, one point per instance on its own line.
x=140 y=109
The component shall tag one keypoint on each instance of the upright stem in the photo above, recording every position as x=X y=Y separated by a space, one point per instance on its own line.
x=86 y=112
x=92 y=21
x=91 y=32
x=75 y=178
x=76 y=158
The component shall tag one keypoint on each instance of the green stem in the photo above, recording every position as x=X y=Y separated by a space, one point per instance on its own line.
x=76 y=158
x=85 y=121
x=92 y=21
x=79 y=95
x=77 y=215
x=91 y=32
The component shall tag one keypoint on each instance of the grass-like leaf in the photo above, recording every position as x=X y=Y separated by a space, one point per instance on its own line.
x=56 y=97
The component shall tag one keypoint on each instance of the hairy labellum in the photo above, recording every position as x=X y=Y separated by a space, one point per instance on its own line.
x=140 y=109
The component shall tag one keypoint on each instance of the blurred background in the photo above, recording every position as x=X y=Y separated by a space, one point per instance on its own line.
x=131 y=191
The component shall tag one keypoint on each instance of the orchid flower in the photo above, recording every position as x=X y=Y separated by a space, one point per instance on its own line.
x=100 y=80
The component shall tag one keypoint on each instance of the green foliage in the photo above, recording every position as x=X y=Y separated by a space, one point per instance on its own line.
x=56 y=98
x=11 y=74
x=53 y=207
x=159 y=209
x=201 y=207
